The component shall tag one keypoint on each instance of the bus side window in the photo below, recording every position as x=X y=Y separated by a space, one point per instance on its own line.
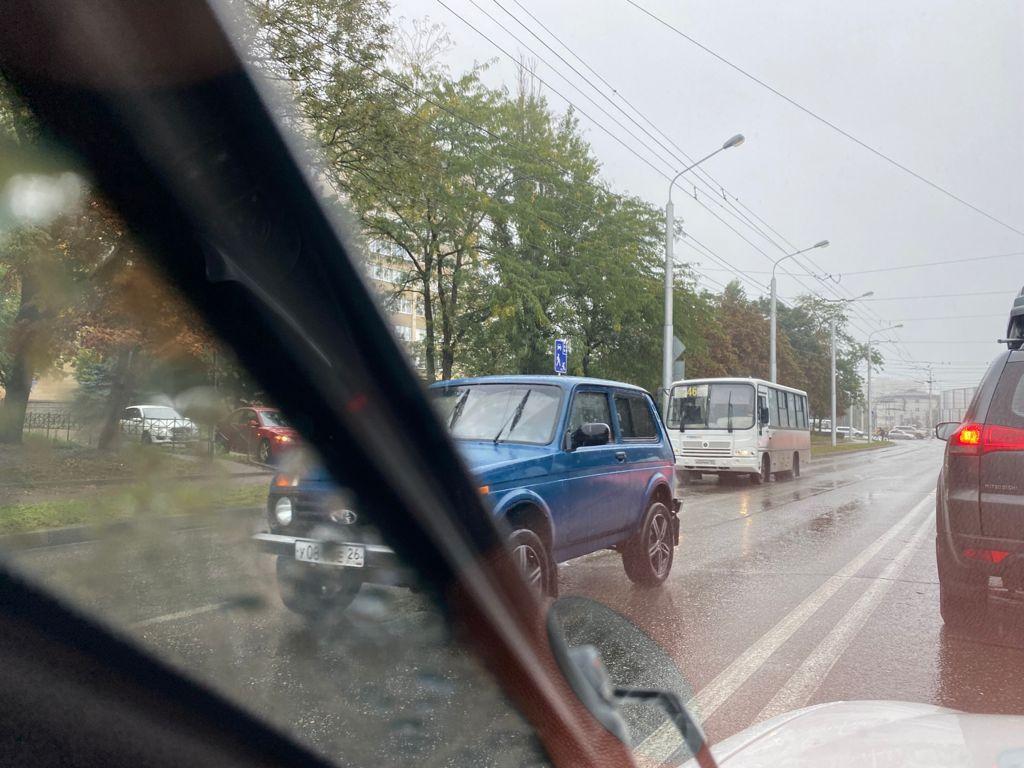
x=773 y=407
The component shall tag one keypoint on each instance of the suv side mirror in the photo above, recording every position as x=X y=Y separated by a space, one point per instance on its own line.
x=945 y=429
x=254 y=422
x=593 y=433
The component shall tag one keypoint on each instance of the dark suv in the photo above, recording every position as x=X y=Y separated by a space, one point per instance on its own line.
x=980 y=494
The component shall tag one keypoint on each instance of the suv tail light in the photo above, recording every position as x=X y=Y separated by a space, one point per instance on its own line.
x=974 y=439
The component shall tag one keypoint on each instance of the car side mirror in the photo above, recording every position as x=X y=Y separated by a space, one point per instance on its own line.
x=945 y=429
x=253 y=423
x=763 y=415
x=592 y=433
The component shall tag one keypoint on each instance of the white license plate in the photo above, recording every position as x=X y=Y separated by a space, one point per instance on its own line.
x=348 y=555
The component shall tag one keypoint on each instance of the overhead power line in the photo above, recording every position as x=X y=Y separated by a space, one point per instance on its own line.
x=1003 y=292
x=824 y=121
x=700 y=176
x=920 y=265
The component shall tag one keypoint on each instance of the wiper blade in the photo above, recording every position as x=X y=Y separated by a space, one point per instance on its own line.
x=515 y=417
x=457 y=410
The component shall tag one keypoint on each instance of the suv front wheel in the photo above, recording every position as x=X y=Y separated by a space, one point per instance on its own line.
x=647 y=557
x=313 y=591
x=533 y=560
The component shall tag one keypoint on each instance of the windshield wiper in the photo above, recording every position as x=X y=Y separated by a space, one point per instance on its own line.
x=457 y=410
x=515 y=417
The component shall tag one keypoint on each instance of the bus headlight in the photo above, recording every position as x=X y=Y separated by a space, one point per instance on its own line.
x=283 y=510
x=744 y=452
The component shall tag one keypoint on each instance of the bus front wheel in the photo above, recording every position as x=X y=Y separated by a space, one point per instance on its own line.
x=766 y=471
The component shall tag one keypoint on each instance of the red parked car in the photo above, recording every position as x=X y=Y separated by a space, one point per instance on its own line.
x=260 y=432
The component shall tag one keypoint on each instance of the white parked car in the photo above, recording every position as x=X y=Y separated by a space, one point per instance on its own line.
x=899 y=434
x=158 y=424
x=849 y=432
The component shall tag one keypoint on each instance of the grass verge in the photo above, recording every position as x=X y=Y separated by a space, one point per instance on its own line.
x=821 y=445
x=143 y=500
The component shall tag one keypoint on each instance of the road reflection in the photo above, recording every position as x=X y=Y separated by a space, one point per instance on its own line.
x=980 y=669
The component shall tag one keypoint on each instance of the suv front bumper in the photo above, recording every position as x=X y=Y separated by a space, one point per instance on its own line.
x=380 y=563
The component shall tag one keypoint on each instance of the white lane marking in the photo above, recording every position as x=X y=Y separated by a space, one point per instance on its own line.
x=179 y=615
x=663 y=741
x=809 y=676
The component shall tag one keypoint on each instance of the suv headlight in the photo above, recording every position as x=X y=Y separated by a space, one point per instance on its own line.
x=283 y=510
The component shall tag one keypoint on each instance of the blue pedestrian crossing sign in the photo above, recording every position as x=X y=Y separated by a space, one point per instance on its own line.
x=561 y=356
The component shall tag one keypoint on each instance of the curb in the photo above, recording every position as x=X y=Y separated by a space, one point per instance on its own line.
x=77 y=534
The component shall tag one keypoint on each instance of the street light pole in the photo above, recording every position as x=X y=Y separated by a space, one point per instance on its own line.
x=832 y=375
x=870 y=414
x=772 y=369
x=668 y=327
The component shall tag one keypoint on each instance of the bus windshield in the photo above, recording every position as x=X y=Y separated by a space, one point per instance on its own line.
x=711 y=406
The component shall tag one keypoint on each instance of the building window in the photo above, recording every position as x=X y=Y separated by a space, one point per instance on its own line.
x=404 y=332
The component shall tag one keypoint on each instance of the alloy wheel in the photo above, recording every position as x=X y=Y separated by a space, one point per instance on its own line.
x=531 y=566
x=659 y=549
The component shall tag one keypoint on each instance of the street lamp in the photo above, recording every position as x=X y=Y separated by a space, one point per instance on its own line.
x=832 y=376
x=667 y=330
x=871 y=430
x=773 y=371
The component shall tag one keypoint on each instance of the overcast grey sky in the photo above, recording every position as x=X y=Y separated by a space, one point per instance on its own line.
x=935 y=84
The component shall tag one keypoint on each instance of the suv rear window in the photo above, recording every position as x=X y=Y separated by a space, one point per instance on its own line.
x=1007 y=408
x=635 y=421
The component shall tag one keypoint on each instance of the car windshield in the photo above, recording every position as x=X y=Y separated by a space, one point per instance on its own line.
x=160 y=412
x=516 y=413
x=273 y=419
x=712 y=406
x=668 y=338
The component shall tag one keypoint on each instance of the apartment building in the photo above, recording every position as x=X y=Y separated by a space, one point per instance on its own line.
x=388 y=268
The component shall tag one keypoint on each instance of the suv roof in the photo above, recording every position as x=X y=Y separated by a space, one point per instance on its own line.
x=565 y=382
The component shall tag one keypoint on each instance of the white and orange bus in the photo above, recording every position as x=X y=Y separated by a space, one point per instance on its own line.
x=739 y=426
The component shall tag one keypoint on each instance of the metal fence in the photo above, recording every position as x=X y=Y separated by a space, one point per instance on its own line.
x=65 y=426
x=59 y=426
x=183 y=435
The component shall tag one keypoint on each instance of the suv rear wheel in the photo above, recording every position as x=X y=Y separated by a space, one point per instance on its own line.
x=647 y=557
x=963 y=597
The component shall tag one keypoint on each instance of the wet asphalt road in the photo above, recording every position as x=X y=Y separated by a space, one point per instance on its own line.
x=783 y=595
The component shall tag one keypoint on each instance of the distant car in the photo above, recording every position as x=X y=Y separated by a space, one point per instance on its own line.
x=899 y=434
x=157 y=424
x=261 y=432
x=915 y=431
x=851 y=432
x=570 y=465
x=980 y=494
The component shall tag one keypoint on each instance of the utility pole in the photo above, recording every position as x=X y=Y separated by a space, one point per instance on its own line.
x=931 y=420
x=832 y=374
x=868 y=356
x=832 y=381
